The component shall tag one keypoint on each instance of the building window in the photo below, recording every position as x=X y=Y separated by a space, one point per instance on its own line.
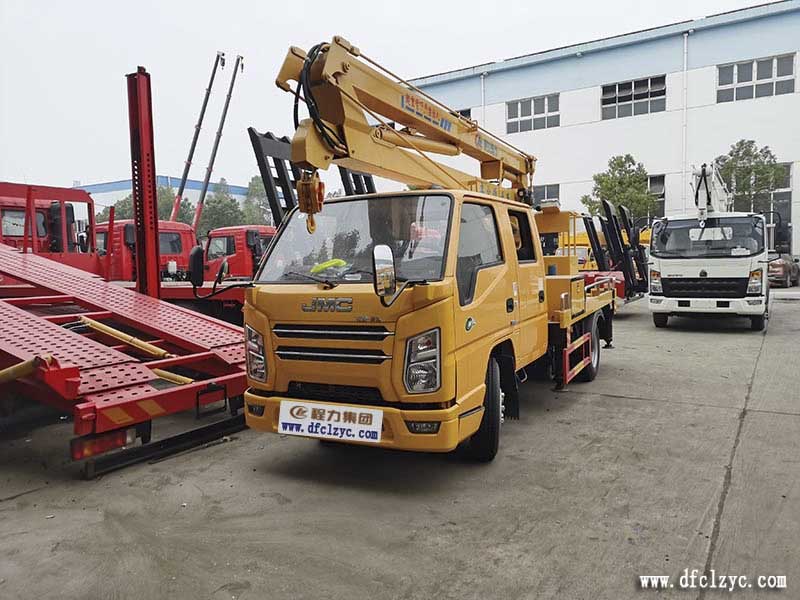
x=637 y=97
x=545 y=192
x=532 y=113
x=655 y=184
x=466 y=113
x=758 y=78
x=779 y=201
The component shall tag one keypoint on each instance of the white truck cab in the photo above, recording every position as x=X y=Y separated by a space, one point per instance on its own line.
x=710 y=262
x=716 y=266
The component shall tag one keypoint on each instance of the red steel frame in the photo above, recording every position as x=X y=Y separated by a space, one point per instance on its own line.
x=116 y=387
x=143 y=182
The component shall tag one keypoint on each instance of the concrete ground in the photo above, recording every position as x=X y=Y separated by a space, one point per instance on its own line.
x=683 y=453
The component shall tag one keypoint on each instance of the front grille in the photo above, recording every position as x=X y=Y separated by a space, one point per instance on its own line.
x=367 y=333
x=349 y=394
x=368 y=357
x=704 y=287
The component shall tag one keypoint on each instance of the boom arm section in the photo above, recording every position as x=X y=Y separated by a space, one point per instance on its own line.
x=342 y=87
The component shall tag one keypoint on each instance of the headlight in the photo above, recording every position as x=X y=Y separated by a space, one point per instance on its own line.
x=655 y=282
x=754 y=284
x=254 y=351
x=422 y=363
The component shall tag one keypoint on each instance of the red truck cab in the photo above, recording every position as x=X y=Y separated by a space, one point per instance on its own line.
x=175 y=241
x=65 y=228
x=242 y=246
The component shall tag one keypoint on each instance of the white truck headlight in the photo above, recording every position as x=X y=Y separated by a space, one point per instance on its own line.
x=754 y=285
x=254 y=351
x=423 y=363
x=655 y=282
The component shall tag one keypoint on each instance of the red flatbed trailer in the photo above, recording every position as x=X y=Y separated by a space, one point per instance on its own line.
x=109 y=384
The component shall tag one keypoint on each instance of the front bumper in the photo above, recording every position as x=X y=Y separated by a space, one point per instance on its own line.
x=456 y=422
x=751 y=305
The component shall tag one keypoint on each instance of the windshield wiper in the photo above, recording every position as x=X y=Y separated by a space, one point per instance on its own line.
x=326 y=282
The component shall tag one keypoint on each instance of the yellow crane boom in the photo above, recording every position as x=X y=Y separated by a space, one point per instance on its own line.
x=342 y=88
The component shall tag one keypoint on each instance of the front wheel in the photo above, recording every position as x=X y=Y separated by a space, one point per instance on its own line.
x=483 y=444
x=660 y=319
x=757 y=323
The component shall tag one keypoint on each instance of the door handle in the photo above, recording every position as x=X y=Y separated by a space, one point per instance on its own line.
x=510 y=305
x=541 y=295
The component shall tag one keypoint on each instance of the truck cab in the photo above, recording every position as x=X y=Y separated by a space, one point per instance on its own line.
x=175 y=241
x=242 y=246
x=432 y=363
x=65 y=228
x=715 y=266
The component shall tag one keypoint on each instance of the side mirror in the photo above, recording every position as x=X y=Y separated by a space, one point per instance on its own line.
x=196 y=266
x=83 y=242
x=251 y=237
x=129 y=235
x=385 y=279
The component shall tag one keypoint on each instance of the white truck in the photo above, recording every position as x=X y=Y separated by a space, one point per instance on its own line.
x=710 y=262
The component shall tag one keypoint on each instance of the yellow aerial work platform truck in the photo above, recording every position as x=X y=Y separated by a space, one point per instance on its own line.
x=407 y=320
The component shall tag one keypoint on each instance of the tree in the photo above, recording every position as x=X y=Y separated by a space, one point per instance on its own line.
x=255 y=208
x=625 y=182
x=220 y=210
x=751 y=174
x=123 y=209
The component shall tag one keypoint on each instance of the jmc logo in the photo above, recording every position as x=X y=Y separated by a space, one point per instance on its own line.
x=328 y=305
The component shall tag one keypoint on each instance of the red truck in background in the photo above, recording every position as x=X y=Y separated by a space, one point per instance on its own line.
x=175 y=241
x=65 y=227
x=241 y=245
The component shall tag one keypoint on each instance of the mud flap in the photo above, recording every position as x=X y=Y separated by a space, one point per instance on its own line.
x=508 y=383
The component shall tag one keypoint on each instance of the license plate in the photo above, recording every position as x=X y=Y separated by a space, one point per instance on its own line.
x=704 y=304
x=330 y=421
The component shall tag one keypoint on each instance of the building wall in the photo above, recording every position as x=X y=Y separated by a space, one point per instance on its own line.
x=582 y=144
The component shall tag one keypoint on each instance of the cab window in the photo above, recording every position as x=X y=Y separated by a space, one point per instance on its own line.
x=13 y=223
x=221 y=246
x=265 y=242
x=478 y=247
x=101 y=241
x=169 y=243
x=523 y=240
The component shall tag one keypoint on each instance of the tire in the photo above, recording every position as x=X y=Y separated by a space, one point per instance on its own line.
x=589 y=372
x=483 y=445
x=757 y=323
x=660 y=320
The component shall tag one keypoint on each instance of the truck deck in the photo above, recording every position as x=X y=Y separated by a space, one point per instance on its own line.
x=121 y=359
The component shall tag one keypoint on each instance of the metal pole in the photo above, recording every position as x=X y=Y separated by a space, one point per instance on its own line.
x=218 y=61
x=199 y=209
x=143 y=180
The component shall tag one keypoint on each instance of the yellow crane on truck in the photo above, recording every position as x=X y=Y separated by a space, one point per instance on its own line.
x=406 y=320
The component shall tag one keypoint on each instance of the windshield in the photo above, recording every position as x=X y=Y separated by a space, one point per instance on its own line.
x=721 y=237
x=340 y=249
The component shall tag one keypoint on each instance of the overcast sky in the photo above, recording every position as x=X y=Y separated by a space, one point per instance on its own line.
x=63 y=105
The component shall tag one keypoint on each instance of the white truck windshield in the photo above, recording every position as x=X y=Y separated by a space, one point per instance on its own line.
x=340 y=249
x=719 y=237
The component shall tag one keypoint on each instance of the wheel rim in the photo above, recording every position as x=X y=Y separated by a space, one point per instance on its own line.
x=595 y=349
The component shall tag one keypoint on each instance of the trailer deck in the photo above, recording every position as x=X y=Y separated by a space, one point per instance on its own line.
x=121 y=359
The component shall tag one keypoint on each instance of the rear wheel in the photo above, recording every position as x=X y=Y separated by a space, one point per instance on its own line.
x=660 y=319
x=483 y=444
x=757 y=323
x=589 y=372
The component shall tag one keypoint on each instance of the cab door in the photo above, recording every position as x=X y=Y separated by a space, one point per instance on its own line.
x=530 y=338
x=485 y=307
